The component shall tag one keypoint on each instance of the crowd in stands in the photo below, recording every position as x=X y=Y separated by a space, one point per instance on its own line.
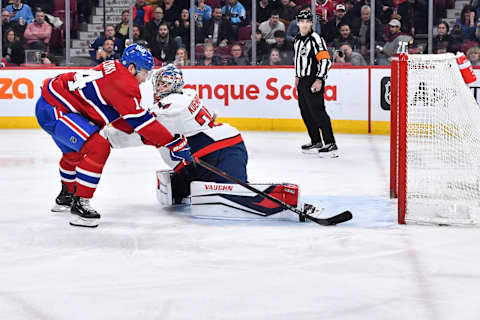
x=222 y=30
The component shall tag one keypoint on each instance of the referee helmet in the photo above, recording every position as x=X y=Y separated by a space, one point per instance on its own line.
x=305 y=15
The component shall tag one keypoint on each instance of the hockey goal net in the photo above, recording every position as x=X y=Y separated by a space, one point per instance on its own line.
x=435 y=142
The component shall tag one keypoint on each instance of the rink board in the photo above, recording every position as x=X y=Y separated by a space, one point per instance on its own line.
x=251 y=98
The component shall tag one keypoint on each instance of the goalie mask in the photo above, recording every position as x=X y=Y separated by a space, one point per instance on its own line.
x=168 y=79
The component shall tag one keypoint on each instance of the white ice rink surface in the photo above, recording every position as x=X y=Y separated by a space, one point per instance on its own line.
x=144 y=262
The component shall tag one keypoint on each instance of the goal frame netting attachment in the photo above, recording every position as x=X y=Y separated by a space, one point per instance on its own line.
x=434 y=142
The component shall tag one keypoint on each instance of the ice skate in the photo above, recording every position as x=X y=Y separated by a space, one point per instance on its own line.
x=311 y=148
x=328 y=151
x=83 y=215
x=64 y=200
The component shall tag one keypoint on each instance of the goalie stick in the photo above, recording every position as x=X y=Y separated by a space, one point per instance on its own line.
x=306 y=213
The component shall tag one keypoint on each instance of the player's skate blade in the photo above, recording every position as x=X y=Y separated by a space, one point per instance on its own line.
x=83 y=215
x=60 y=208
x=78 y=221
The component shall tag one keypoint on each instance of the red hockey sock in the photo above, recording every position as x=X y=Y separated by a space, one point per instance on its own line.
x=68 y=163
x=94 y=153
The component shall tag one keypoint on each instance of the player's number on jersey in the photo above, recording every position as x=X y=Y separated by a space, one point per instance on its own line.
x=202 y=116
x=81 y=79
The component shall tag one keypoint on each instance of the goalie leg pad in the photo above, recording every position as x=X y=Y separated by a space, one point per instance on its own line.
x=238 y=197
x=164 y=187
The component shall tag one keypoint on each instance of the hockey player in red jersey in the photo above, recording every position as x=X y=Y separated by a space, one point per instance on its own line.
x=75 y=106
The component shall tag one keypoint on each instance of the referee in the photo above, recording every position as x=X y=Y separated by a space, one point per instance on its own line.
x=312 y=62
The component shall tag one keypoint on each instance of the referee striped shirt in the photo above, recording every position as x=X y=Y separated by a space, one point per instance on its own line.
x=311 y=56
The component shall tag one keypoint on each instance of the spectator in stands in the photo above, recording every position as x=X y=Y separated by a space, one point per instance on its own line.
x=97 y=43
x=263 y=48
x=121 y=29
x=37 y=34
x=181 y=32
x=237 y=58
x=285 y=50
x=142 y=13
x=217 y=30
x=397 y=43
x=181 y=58
x=15 y=25
x=171 y=11
x=12 y=48
x=324 y=10
x=47 y=58
x=163 y=46
x=202 y=13
x=413 y=16
x=84 y=9
x=46 y=5
x=286 y=11
x=384 y=10
x=466 y=22
x=443 y=40
x=473 y=54
x=208 y=58
x=107 y=52
x=350 y=14
x=136 y=35
x=330 y=30
x=264 y=8
x=21 y=12
x=153 y=3
x=274 y=58
x=346 y=36
x=293 y=30
x=361 y=29
x=151 y=28
x=269 y=27
x=235 y=13
x=345 y=54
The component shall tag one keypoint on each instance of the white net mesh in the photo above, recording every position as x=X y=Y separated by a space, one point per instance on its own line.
x=443 y=144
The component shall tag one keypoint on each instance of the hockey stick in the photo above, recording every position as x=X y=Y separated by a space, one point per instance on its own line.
x=306 y=213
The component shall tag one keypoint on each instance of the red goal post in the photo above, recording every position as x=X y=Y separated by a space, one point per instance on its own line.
x=434 y=142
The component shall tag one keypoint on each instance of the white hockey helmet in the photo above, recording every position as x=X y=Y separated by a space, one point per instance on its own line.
x=168 y=79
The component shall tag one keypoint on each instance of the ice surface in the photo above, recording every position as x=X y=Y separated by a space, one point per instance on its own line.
x=145 y=262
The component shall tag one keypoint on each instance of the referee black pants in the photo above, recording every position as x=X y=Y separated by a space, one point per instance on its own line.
x=312 y=109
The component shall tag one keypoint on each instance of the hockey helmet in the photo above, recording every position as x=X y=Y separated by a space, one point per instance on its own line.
x=139 y=56
x=168 y=79
x=305 y=15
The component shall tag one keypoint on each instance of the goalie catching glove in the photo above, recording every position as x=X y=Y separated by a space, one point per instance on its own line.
x=179 y=149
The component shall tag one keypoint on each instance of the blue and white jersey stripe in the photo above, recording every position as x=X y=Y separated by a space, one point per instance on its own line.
x=61 y=99
x=92 y=95
x=140 y=120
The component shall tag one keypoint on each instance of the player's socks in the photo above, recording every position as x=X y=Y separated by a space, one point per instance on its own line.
x=64 y=200
x=83 y=215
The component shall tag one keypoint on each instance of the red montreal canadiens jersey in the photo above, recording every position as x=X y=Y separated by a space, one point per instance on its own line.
x=104 y=94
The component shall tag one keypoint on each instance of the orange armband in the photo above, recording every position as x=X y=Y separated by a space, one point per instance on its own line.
x=322 y=55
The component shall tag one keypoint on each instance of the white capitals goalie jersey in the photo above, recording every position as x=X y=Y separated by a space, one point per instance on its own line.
x=185 y=113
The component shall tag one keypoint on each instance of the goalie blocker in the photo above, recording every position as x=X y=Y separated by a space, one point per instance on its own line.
x=237 y=201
